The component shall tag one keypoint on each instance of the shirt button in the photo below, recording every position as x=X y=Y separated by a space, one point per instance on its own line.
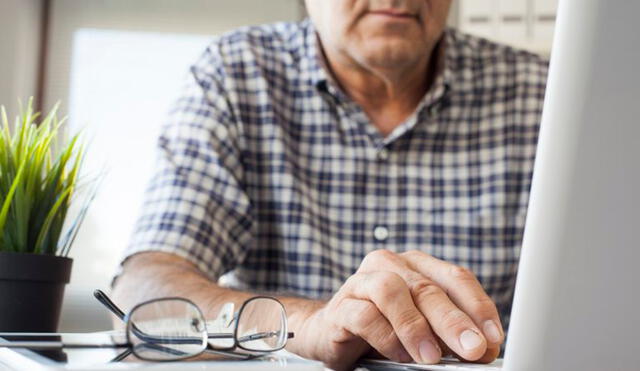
x=383 y=154
x=381 y=233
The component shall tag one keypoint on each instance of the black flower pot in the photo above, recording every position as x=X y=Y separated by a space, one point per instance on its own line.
x=31 y=291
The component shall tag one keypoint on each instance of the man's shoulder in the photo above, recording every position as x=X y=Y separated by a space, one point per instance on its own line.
x=262 y=46
x=485 y=57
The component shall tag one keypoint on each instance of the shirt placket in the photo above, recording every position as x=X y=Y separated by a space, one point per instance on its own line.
x=380 y=215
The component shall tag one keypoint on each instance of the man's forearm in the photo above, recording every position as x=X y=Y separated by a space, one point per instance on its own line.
x=154 y=275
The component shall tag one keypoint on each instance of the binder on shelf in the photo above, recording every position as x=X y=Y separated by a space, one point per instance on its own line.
x=513 y=21
x=478 y=17
x=543 y=20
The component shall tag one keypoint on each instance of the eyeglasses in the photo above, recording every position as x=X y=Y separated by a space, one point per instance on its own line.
x=171 y=329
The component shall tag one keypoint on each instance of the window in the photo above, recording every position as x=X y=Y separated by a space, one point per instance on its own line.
x=122 y=84
x=116 y=66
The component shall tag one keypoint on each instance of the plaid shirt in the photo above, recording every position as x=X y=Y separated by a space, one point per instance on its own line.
x=267 y=171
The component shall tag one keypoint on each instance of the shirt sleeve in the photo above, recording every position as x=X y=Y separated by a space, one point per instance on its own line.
x=195 y=206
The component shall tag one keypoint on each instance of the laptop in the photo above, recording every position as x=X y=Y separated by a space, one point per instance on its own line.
x=577 y=296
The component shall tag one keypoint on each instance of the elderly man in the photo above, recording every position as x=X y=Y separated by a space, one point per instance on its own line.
x=367 y=166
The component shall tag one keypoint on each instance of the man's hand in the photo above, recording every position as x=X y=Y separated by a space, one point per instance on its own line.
x=408 y=306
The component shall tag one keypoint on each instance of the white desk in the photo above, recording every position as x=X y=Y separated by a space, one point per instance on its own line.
x=98 y=360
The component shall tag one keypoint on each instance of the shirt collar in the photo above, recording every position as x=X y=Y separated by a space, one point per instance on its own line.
x=314 y=65
x=451 y=59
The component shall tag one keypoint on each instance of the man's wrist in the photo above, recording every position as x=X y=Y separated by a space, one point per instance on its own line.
x=299 y=311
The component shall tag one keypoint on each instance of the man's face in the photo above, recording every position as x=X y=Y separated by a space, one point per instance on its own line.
x=379 y=33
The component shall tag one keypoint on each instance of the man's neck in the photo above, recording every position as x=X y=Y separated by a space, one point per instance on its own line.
x=387 y=96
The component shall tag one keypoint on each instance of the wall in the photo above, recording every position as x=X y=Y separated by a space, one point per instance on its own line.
x=19 y=46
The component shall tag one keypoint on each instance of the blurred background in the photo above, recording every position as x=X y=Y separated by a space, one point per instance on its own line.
x=116 y=66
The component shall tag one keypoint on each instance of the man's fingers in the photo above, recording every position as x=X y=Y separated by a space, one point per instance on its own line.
x=465 y=291
x=450 y=323
x=449 y=297
x=365 y=321
x=489 y=356
x=392 y=298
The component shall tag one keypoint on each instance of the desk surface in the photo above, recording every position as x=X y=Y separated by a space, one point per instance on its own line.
x=99 y=359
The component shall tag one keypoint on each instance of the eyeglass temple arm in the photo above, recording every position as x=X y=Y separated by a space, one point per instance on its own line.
x=260 y=335
x=104 y=300
x=239 y=356
x=122 y=355
x=107 y=302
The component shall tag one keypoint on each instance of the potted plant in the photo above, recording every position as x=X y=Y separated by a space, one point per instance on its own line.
x=37 y=186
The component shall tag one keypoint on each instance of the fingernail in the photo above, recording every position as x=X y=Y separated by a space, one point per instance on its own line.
x=470 y=340
x=429 y=352
x=492 y=332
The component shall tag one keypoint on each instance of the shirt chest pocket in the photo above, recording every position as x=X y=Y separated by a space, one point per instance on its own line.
x=469 y=214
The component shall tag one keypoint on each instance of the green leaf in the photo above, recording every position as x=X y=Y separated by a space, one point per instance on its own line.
x=44 y=231
x=7 y=200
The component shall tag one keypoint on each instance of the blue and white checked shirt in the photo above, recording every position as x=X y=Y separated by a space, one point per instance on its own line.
x=269 y=172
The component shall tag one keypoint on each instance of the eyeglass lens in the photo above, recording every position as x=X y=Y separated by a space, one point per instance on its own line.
x=262 y=325
x=167 y=329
